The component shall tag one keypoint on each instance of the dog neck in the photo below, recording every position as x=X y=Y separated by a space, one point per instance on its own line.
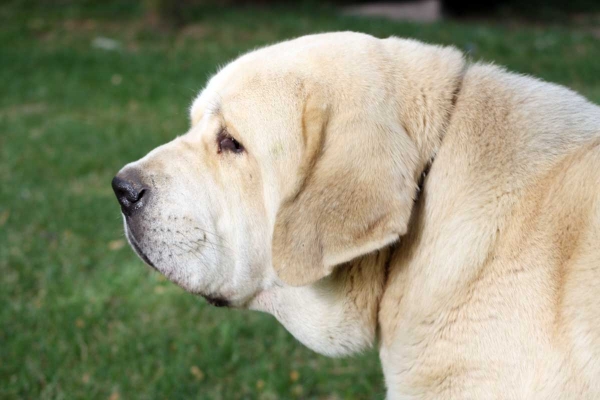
x=470 y=229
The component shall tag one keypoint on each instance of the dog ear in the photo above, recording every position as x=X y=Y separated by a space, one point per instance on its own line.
x=354 y=194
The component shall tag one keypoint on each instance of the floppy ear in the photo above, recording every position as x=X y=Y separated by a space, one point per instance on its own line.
x=354 y=194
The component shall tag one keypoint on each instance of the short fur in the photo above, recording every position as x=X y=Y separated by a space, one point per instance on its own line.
x=482 y=283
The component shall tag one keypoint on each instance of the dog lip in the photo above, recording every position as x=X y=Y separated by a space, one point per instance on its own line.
x=216 y=301
x=138 y=250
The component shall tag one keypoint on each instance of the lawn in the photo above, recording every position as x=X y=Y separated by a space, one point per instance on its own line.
x=81 y=317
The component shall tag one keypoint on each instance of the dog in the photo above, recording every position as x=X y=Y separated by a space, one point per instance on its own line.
x=388 y=192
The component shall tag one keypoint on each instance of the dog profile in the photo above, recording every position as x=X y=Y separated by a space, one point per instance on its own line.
x=388 y=192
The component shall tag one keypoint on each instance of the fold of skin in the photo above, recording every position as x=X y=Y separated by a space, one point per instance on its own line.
x=336 y=316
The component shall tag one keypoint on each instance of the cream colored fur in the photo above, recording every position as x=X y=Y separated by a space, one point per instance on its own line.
x=483 y=284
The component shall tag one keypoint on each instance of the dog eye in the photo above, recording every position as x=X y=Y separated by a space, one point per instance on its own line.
x=227 y=143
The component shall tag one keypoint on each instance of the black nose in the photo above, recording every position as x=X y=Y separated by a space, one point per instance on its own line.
x=130 y=193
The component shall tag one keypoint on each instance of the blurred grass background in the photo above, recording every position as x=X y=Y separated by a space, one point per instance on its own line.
x=88 y=86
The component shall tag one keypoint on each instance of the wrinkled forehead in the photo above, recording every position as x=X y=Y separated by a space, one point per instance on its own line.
x=276 y=77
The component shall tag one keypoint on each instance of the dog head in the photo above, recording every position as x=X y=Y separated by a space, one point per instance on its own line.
x=299 y=158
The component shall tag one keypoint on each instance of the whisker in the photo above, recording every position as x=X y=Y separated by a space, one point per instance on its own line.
x=192 y=241
x=195 y=254
x=199 y=242
x=210 y=233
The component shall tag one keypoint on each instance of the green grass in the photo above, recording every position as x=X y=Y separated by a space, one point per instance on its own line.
x=80 y=316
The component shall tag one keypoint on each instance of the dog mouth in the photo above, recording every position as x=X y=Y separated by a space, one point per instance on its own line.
x=216 y=301
x=213 y=300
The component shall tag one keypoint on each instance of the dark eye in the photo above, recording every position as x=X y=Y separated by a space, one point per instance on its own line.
x=227 y=143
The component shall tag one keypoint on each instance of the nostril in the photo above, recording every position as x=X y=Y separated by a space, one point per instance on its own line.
x=139 y=196
x=128 y=193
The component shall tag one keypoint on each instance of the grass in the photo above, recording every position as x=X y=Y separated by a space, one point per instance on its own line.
x=81 y=317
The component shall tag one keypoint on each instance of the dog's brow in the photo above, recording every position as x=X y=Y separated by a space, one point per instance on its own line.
x=214 y=108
